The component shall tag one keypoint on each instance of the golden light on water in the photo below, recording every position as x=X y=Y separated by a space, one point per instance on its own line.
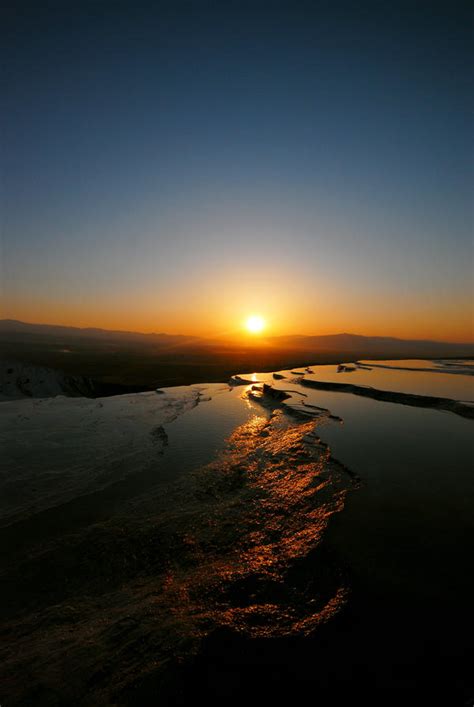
x=255 y=324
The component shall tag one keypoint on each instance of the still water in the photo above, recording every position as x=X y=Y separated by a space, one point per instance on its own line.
x=415 y=466
x=225 y=510
x=442 y=385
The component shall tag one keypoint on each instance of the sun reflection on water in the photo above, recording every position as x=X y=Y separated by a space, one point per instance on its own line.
x=273 y=492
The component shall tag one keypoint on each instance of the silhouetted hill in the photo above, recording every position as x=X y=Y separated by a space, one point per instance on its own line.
x=18 y=329
x=374 y=345
x=381 y=345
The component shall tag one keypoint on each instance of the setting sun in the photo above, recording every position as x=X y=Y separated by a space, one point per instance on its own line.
x=255 y=324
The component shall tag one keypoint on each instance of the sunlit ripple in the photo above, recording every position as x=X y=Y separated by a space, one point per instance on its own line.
x=274 y=490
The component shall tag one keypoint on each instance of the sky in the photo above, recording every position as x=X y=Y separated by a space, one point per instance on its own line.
x=179 y=166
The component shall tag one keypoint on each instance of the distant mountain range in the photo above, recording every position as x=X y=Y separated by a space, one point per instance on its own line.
x=352 y=344
x=15 y=327
x=379 y=345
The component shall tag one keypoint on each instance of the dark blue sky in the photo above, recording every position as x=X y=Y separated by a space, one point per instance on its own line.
x=175 y=166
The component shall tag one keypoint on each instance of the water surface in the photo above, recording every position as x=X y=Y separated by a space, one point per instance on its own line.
x=337 y=522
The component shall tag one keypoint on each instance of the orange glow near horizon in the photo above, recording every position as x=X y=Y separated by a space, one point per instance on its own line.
x=221 y=312
x=417 y=328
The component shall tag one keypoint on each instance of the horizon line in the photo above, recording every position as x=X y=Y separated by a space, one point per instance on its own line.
x=217 y=336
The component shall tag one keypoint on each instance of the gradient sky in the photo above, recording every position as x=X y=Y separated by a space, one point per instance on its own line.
x=177 y=166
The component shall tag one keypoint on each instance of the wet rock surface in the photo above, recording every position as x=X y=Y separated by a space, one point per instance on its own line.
x=123 y=607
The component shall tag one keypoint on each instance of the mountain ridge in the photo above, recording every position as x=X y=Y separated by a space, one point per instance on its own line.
x=16 y=326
